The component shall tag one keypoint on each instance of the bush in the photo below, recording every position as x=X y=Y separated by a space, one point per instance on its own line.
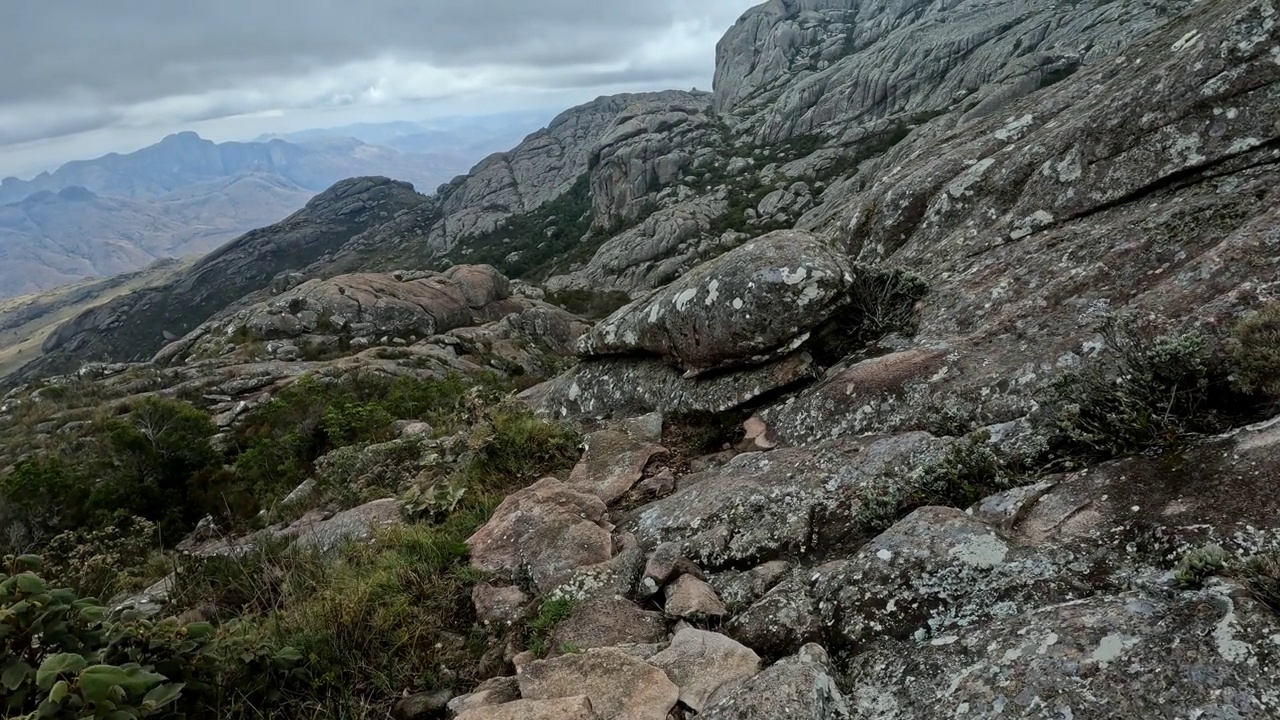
x=968 y=472
x=1145 y=391
x=1254 y=353
x=589 y=303
x=46 y=493
x=881 y=302
x=63 y=659
x=106 y=561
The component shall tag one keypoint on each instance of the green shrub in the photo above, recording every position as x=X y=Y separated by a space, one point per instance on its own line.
x=514 y=448
x=1261 y=574
x=48 y=494
x=62 y=658
x=105 y=561
x=1198 y=565
x=1254 y=352
x=969 y=471
x=1143 y=392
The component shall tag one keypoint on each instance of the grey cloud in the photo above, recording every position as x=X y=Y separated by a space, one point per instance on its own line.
x=121 y=65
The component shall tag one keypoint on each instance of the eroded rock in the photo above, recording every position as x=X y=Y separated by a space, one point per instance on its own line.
x=620 y=686
x=705 y=665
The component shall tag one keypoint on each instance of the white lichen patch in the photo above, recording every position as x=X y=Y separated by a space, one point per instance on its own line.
x=1191 y=39
x=981 y=551
x=1111 y=648
x=1224 y=636
x=713 y=292
x=655 y=312
x=1015 y=128
x=961 y=184
x=794 y=278
x=1243 y=144
x=737 y=303
x=1070 y=169
x=683 y=299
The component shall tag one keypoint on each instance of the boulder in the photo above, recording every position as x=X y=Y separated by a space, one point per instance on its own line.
x=607 y=622
x=615 y=458
x=704 y=665
x=421 y=706
x=755 y=304
x=693 y=599
x=620 y=686
x=355 y=525
x=659 y=568
x=801 y=687
x=491 y=692
x=544 y=532
x=498 y=605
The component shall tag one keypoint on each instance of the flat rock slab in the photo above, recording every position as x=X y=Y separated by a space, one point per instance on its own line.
x=544 y=532
x=607 y=387
x=620 y=686
x=615 y=458
x=751 y=305
x=693 y=599
x=349 y=526
x=606 y=622
x=570 y=708
x=1129 y=655
x=760 y=505
x=704 y=664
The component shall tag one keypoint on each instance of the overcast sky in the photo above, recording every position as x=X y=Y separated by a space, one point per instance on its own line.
x=85 y=77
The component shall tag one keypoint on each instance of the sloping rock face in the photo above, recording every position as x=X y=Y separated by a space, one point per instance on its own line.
x=795 y=67
x=1149 y=181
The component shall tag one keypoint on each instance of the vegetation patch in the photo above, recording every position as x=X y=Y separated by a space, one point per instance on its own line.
x=539 y=628
x=882 y=302
x=589 y=304
x=969 y=471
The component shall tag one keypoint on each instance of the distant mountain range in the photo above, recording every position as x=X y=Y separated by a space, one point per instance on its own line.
x=187 y=195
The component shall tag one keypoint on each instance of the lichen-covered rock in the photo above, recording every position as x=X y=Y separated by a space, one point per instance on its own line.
x=620 y=686
x=491 y=692
x=568 y=708
x=705 y=665
x=543 y=533
x=693 y=599
x=749 y=306
x=615 y=457
x=1127 y=655
x=327 y=534
x=800 y=687
x=789 y=500
x=610 y=387
x=606 y=622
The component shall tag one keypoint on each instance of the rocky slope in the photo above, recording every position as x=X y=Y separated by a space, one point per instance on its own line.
x=858 y=447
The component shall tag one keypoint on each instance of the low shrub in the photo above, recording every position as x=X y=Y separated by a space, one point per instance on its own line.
x=1144 y=391
x=1198 y=565
x=1254 y=352
x=969 y=471
x=1261 y=574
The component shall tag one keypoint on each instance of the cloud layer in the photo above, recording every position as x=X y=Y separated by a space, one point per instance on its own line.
x=93 y=67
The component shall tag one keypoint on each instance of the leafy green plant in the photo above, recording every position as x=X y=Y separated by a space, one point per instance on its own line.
x=106 y=561
x=64 y=659
x=1200 y=564
x=1254 y=352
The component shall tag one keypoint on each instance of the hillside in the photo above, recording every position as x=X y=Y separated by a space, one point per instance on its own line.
x=936 y=374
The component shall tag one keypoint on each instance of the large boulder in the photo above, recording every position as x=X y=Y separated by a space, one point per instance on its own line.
x=704 y=665
x=615 y=457
x=543 y=533
x=749 y=306
x=606 y=622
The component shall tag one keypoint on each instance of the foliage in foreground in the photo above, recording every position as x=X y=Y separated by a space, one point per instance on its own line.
x=63 y=658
